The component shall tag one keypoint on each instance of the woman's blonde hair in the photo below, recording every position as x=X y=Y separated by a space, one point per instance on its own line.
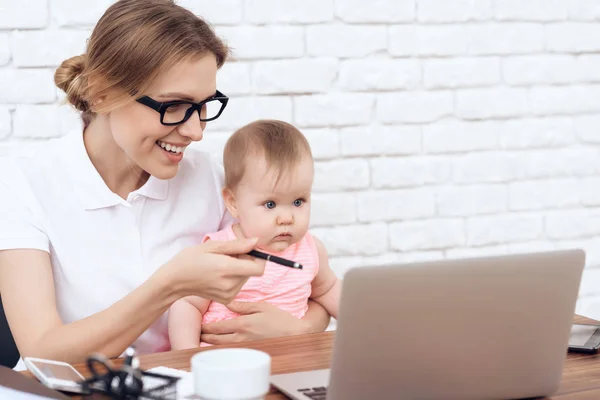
x=130 y=45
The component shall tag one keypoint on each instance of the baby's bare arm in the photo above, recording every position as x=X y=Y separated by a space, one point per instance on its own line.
x=326 y=287
x=185 y=322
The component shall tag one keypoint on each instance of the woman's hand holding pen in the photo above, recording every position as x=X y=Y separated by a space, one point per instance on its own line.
x=214 y=270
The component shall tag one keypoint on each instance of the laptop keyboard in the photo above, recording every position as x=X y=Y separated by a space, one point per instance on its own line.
x=317 y=393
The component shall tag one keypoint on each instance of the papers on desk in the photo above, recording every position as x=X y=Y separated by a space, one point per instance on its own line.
x=8 y=393
x=185 y=385
x=185 y=388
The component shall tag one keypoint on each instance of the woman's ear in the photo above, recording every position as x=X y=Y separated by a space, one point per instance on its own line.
x=230 y=202
x=94 y=84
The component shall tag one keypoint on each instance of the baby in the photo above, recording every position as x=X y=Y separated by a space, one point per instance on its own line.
x=268 y=182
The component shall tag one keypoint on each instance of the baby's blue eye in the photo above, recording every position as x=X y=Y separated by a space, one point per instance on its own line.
x=270 y=204
x=298 y=202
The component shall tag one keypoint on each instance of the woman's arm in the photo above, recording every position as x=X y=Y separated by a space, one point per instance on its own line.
x=28 y=296
x=27 y=288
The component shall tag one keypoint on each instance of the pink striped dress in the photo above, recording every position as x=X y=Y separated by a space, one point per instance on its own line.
x=284 y=287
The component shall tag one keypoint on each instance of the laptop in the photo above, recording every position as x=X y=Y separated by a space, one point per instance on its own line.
x=480 y=328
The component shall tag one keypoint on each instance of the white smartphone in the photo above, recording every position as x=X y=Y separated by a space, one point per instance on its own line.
x=56 y=375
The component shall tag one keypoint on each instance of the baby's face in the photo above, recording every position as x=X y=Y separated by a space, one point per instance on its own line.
x=278 y=214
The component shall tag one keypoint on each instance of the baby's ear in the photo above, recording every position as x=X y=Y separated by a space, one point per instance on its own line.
x=230 y=203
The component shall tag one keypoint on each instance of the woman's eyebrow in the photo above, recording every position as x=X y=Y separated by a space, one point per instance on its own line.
x=179 y=95
x=182 y=96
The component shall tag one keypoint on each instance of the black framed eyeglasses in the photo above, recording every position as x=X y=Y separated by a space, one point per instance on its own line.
x=178 y=111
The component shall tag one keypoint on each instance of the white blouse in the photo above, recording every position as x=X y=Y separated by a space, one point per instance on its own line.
x=102 y=247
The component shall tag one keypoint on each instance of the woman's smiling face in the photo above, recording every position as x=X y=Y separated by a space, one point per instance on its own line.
x=137 y=130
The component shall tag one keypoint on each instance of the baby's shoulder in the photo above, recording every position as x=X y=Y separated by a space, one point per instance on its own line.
x=221 y=235
x=310 y=240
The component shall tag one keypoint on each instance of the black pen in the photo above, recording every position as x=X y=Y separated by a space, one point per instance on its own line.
x=275 y=259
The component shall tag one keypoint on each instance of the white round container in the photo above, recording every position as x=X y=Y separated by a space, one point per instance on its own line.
x=231 y=374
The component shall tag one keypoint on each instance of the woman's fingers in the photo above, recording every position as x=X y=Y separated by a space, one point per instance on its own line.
x=214 y=271
x=244 y=267
x=229 y=338
x=246 y=307
x=221 y=327
x=229 y=288
x=231 y=247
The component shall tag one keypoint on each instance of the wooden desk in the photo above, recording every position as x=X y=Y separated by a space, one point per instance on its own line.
x=581 y=375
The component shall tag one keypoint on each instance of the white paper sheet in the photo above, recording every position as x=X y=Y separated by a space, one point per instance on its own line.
x=185 y=386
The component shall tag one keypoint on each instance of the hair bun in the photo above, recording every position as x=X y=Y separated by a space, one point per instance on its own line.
x=68 y=78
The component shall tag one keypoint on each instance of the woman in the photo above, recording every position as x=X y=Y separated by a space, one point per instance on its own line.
x=100 y=232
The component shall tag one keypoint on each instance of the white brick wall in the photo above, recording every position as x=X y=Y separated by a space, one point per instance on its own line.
x=440 y=128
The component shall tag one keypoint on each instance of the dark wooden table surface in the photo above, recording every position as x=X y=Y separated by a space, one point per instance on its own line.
x=581 y=375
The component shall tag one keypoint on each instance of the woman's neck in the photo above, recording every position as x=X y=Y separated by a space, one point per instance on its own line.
x=114 y=166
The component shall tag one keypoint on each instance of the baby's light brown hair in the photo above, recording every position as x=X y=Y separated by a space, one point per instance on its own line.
x=281 y=144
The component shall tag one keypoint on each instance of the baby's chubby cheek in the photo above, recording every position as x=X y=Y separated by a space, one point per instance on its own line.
x=254 y=230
